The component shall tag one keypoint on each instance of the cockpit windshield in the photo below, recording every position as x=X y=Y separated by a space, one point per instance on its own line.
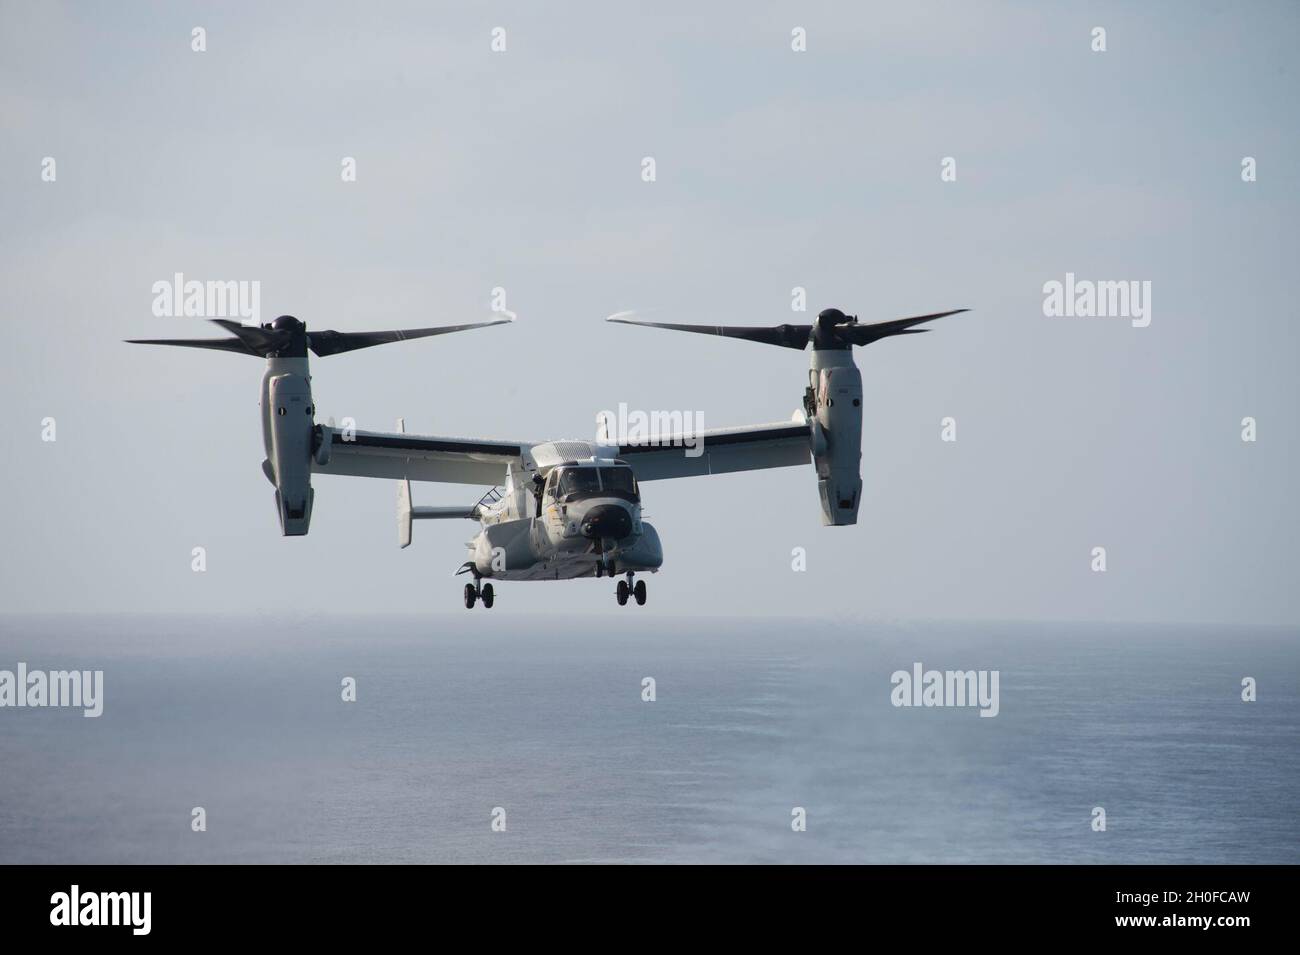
x=618 y=482
x=577 y=481
x=574 y=483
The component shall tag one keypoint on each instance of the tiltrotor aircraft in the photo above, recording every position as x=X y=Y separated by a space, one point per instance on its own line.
x=556 y=509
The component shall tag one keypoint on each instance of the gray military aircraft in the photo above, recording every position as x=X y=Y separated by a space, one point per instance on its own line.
x=562 y=509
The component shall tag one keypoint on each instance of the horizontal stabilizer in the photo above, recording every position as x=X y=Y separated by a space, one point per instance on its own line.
x=444 y=513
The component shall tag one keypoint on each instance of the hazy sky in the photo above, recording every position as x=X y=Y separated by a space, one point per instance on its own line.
x=775 y=169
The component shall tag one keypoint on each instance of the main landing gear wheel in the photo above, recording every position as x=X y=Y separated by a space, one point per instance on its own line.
x=627 y=589
x=474 y=592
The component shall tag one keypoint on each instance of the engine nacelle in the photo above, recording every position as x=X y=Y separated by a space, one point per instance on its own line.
x=835 y=406
x=288 y=422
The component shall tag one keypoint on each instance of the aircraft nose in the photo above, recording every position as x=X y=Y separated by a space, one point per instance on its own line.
x=607 y=521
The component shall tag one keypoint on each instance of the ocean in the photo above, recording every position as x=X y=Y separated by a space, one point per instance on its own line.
x=486 y=737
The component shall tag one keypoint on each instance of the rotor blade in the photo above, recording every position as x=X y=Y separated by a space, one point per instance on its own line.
x=866 y=334
x=332 y=343
x=787 y=336
x=860 y=334
x=260 y=341
x=221 y=344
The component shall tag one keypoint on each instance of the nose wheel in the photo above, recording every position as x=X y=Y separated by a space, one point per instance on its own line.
x=475 y=593
x=627 y=589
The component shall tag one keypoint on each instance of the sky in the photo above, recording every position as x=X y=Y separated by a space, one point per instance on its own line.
x=774 y=169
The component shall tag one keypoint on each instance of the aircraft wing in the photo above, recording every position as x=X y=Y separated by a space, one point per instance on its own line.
x=781 y=444
x=416 y=457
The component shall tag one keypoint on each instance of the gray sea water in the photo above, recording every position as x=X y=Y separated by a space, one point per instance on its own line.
x=456 y=715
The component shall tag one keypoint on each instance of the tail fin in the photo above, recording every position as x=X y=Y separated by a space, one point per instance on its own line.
x=606 y=442
x=404 y=513
x=403 y=501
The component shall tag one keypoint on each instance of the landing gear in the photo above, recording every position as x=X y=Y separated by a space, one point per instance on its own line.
x=474 y=593
x=626 y=589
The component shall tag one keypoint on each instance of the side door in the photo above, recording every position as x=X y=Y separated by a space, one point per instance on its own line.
x=552 y=509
